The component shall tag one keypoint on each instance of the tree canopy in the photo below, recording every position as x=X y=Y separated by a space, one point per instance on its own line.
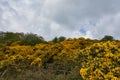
x=107 y=38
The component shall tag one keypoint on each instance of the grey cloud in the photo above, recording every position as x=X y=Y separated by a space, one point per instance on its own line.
x=73 y=13
x=69 y=12
x=51 y=18
x=108 y=25
x=18 y=15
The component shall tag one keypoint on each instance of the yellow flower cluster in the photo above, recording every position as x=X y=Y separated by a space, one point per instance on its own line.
x=19 y=57
x=102 y=61
x=99 y=60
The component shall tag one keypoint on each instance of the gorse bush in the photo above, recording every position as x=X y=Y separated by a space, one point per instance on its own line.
x=69 y=59
x=101 y=61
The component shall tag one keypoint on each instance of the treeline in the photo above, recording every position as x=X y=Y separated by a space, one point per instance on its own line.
x=10 y=38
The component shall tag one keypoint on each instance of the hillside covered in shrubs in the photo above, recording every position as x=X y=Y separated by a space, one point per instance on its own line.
x=30 y=57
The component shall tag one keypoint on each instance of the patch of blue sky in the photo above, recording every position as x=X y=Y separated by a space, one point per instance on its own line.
x=93 y=23
x=82 y=30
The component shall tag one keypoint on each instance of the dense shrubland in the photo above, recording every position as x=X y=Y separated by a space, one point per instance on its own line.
x=30 y=57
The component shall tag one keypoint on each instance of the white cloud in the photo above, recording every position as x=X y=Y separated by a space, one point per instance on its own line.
x=108 y=25
x=70 y=18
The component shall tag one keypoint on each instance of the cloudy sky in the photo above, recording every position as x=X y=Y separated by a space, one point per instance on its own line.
x=69 y=18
